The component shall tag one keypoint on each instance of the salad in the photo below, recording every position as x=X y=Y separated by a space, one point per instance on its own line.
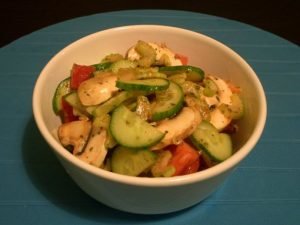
x=147 y=113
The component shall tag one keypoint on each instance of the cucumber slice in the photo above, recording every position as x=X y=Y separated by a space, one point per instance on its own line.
x=62 y=89
x=193 y=73
x=129 y=130
x=112 y=103
x=217 y=145
x=151 y=72
x=131 y=162
x=102 y=66
x=152 y=84
x=73 y=100
x=122 y=64
x=236 y=107
x=178 y=78
x=168 y=103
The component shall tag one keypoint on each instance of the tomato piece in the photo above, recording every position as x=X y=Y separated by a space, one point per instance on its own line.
x=184 y=59
x=79 y=74
x=233 y=88
x=67 y=112
x=193 y=168
x=185 y=159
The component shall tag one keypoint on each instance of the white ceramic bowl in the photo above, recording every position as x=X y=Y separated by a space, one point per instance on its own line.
x=151 y=195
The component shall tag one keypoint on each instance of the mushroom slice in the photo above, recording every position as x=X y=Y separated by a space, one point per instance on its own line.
x=97 y=89
x=219 y=120
x=223 y=96
x=95 y=150
x=75 y=133
x=178 y=128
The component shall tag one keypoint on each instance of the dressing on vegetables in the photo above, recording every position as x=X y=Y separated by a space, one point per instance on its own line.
x=147 y=113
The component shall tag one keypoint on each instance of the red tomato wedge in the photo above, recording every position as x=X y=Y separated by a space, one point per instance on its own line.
x=67 y=112
x=184 y=59
x=185 y=159
x=79 y=74
x=233 y=88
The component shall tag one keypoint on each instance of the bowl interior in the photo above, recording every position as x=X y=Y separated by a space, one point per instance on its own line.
x=212 y=56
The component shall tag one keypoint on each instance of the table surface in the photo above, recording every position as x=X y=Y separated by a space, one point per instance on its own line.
x=264 y=189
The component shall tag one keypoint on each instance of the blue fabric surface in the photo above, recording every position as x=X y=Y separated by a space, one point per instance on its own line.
x=264 y=189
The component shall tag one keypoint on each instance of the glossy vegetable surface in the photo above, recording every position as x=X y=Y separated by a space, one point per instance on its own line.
x=150 y=113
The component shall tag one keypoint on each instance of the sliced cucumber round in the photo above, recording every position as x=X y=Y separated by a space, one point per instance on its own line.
x=152 y=84
x=168 y=102
x=122 y=64
x=74 y=101
x=103 y=66
x=206 y=137
x=236 y=107
x=112 y=103
x=129 y=130
x=131 y=162
x=193 y=73
x=62 y=89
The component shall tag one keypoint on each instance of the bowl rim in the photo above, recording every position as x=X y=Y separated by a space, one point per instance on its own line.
x=224 y=166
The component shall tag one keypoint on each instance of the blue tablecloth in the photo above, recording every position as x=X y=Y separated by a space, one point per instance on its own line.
x=264 y=189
